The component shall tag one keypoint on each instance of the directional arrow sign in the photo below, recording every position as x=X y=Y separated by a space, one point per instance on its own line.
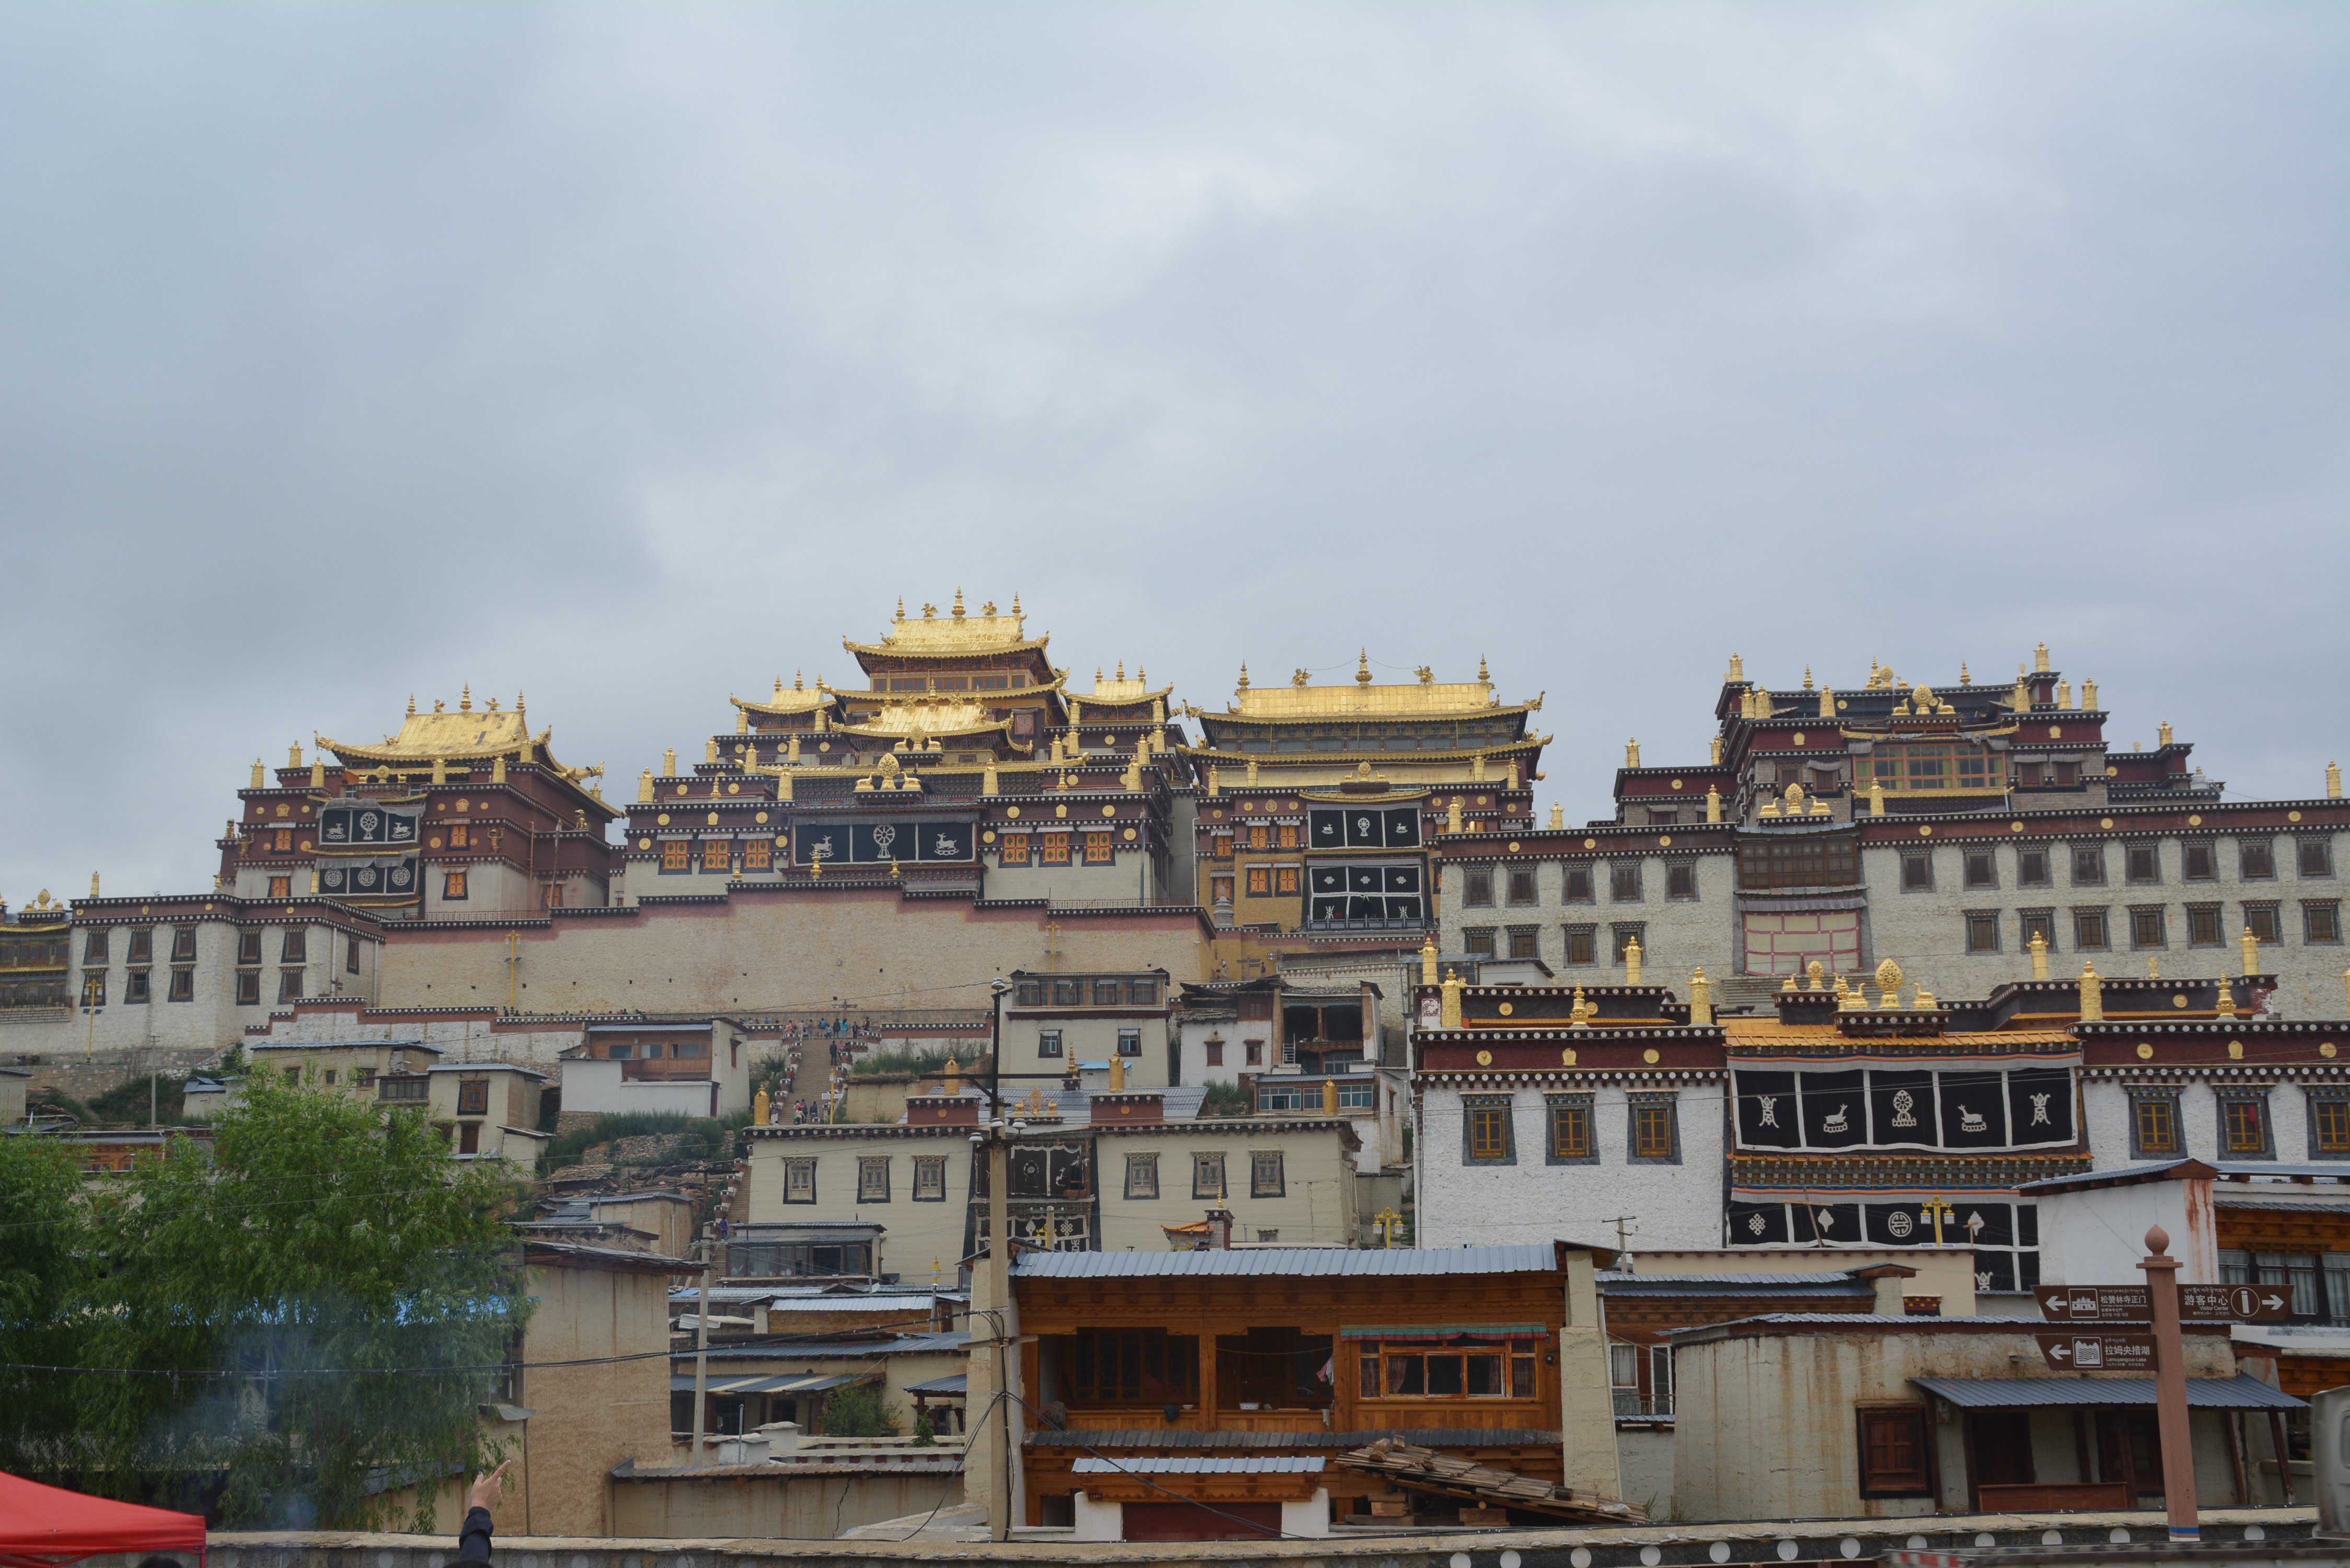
x=2094 y=1304
x=2234 y=1303
x=2098 y=1352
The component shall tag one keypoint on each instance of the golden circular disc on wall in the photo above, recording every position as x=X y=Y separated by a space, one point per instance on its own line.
x=1507 y=1009
x=2325 y=1049
x=760 y=817
x=1485 y=1058
x=733 y=789
x=1591 y=844
x=2146 y=1052
x=1925 y=833
x=2289 y=816
x=432 y=843
x=2104 y=822
x=2195 y=822
x=783 y=841
x=1676 y=784
x=824 y=746
x=642 y=843
x=681 y=790
x=1664 y=839
x=1514 y=847
x=1011 y=811
x=988 y=837
x=1842 y=705
x=1482 y=800
x=662 y=819
x=1109 y=811
x=2178 y=1001
x=1650 y=1056
x=2015 y=828
x=1129 y=832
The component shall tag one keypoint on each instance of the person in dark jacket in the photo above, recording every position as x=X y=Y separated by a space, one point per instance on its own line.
x=473 y=1540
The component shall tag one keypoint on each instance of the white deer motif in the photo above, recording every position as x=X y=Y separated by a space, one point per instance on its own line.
x=1838 y=1123
x=1969 y=1122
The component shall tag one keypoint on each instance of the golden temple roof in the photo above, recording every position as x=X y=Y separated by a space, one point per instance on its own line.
x=1301 y=700
x=467 y=734
x=931 y=634
x=1118 y=691
x=930 y=718
x=799 y=699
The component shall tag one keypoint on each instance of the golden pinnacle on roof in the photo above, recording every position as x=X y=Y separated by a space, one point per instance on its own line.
x=1243 y=674
x=1965 y=678
x=465 y=702
x=1482 y=677
x=1121 y=671
x=411 y=703
x=1016 y=602
x=1807 y=678
x=2040 y=659
x=1363 y=668
x=957 y=602
x=1737 y=669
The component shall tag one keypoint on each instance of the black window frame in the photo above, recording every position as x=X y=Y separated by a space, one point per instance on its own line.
x=1621 y=933
x=2335 y=1097
x=1981 y=930
x=2168 y=1096
x=1575 y=885
x=1482 y=1110
x=1560 y=1110
x=1048 y=1044
x=2042 y=920
x=2256 y=858
x=2326 y=931
x=1204 y=1167
x=2268 y=912
x=184 y=984
x=798 y=1165
x=1680 y=881
x=2225 y=1096
x=1986 y=861
x=2139 y=914
x=2033 y=868
x=868 y=1191
x=1517 y=879
x=2313 y=855
x=1476 y=886
x=1141 y=1178
x=1478 y=941
x=2217 y=915
x=2199 y=861
x=2131 y=864
x=1260 y=1186
x=2090 y=857
x=1918 y=870
x=1590 y=933
x=2102 y=915
x=1640 y=1100
x=1529 y=938
x=1623 y=875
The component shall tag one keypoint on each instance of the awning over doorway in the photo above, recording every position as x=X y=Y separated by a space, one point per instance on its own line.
x=2236 y=1392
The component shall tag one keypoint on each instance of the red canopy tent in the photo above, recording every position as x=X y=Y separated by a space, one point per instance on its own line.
x=41 y=1526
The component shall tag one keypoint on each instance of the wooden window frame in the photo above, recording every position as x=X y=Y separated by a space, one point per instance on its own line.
x=1053 y=849
x=1488 y=1130
x=1101 y=848
x=2154 y=1124
x=1208 y=1177
x=1012 y=849
x=2329 y=1123
x=676 y=854
x=183 y=986
x=1477 y=887
x=2265 y=919
x=1569 y=1129
x=873 y=1178
x=717 y=854
x=1142 y=1176
x=2238 y=1112
x=1582 y=944
x=1982 y=931
x=758 y=854
x=2320 y=923
x=930 y=1178
x=452 y=887
x=1268 y=1174
x=1653 y=1129
x=1874 y=1425
x=799 y=1180
x=2206 y=926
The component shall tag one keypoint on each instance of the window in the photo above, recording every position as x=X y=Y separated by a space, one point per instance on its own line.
x=281 y=887
x=717 y=853
x=1220 y=889
x=1142 y=1176
x=2262 y=921
x=2255 y=859
x=1570 y=1130
x=1219 y=846
x=1056 y=849
x=248 y=947
x=1581 y=943
x=2198 y=862
x=2147 y=929
x=1982 y=932
x=1265 y=1176
x=473 y=1097
x=758 y=854
x=1131 y=1366
x=93 y=948
x=799 y=1181
x=677 y=855
x=1663 y=815
x=1524 y=942
x=134 y=986
x=1624 y=934
x=1576 y=883
x=283 y=841
x=1258 y=879
x=2031 y=868
x=2244 y=1125
x=142 y=946
x=452 y=887
x=293 y=1078
x=1208 y=1176
x=1982 y=868
x=1467 y=1366
x=1048 y=1042
x=294 y=949
x=1268 y=1236
x=409 y=1087
x=1808 y=862
x=2089 y=930
x=1916 y=871
x=2154 y=1122
x=461 y=837
x=1488 y=1136
x=93 y=988
x=1286 y=881
x=289 y=985
x=1129 y=1041
x=2329 y=1123
x=1254 y=1052
x=1893 y=1451
x=1656 y=1130
x=1107 y=993
x=350 y=955
x=330 y=1077
x=873 y=1179
x=1012 y=849
x=248 y=988
x=1477 y=941
x=1624 y=882
x=1260 y=835
x=1286 y=836
x=1100 y=848
x=1142 y=992
x=1215 y=1049
x=2142 y=863
x=1068 y=993
x=1522 y=884
x=1680 y=879
x=2203 y=926
x=2321 y=920
x=1028 y=993
x=2315 y=856
x=930 y=1178
x=1477 y=887
x=183 y=985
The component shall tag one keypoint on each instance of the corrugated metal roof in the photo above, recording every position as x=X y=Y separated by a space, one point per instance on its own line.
x=1837 y=1285
x=1857 y=1319
x=2236 y=1392
x=957 y=1383
x=2233 y=1168
x=792 y=1383
x=1275 y=1465
x=2275 y=1205
x=1418 y=1438
x=850 y=1303
x=1834 y=1277
x=832 y=1349
x=1307 y=1262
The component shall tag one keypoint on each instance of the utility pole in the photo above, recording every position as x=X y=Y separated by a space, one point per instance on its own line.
x=1623 y=1246
x=2170 y=1390
x=702 y=1352
x=992 y=1297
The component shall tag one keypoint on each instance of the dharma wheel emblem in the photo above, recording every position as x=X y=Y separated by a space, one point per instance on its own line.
x=885 y=836
x=367 y=876
x=368 y=821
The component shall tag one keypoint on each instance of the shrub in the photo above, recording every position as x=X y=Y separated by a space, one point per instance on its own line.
x=859 y=1411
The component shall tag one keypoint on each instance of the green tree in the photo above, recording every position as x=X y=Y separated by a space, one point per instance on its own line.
x=338 y=1294
x=42 y=1252
x=859 y=1410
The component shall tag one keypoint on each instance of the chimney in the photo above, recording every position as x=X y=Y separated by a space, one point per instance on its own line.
x=1220 y=1230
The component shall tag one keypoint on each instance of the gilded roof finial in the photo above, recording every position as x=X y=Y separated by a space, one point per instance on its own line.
x=1015 y=603
x=1121 y=671
x=1557 y=817
x=439 y=704
x=411 y=704
x=1427 y=676
x=1300 y=678
x=1737 y=669
x=1243 y=674
x=958 y=604
x=2162 y=735
x=901 y=607
x=465 y=702
x=1483 y=678
x=493 y=705
x=1363 y=668
x=929 y=612
x=1807 y=678
x=1098 y=676
x=1632 y=753
x=2333 y=781
x=2040 y=659
x=1965 y=678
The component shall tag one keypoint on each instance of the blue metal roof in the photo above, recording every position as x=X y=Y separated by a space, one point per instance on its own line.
x=2236 y=1392
x=1303 y=1261
x=1200 y=1465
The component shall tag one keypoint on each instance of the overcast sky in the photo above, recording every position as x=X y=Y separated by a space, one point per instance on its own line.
x=630 y=355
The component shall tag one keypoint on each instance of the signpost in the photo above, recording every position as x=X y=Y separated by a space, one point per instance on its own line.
x=2196 y=1304
x=2098 y=1352
x=2234 y=1303
x=2094 y=1304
